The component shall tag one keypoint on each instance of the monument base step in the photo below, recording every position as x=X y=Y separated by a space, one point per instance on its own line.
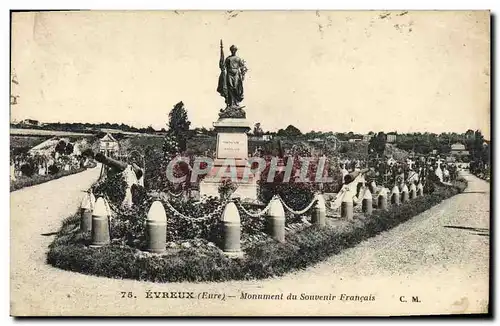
x=244 y=190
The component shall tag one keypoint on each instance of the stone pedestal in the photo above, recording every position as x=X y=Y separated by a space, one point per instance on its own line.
x=231 y=157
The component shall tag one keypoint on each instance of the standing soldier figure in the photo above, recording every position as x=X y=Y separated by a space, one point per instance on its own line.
x=233 y=70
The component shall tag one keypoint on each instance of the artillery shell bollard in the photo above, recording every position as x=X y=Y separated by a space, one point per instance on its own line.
x=319 y=211
x=367 y=203
x=413 y=191
x=86 y=208
x=404 y=194
x=231 y=230
x=156 y=228
x=382 y=199
x=100 y=224
x=395 y=196
x=420 y=189
x=347 y=207
x=276 y=220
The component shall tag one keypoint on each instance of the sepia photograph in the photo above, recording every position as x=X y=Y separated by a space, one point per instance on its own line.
x=250 y=163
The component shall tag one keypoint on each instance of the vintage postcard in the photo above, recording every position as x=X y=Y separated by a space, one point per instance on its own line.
x=250 y=163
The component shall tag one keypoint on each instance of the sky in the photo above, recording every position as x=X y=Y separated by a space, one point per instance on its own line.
x=337 y=71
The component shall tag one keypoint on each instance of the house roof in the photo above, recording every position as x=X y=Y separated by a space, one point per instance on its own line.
x=109 y=138
x=47 y=146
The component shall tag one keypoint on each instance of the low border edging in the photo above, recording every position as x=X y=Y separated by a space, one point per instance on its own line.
x=38 y=179
x=266 y=259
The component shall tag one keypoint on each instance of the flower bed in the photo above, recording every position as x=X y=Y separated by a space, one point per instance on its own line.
x=202 y=261
x=22 y=182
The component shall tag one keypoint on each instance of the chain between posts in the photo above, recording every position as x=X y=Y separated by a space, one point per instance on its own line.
x=115 y=208
x=175 y=195
x=300 y=212
x=202 y=218
x=259 y=214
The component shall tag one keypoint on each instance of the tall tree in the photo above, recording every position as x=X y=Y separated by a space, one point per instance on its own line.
x=257 y=129
x=478 y=145
x=290 y=131
x=178 y=125
x=377 y=143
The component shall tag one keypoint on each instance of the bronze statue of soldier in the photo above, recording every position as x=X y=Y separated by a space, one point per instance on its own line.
x=230 y=85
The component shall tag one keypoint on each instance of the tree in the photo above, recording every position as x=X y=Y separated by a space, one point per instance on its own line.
x=478 y=145
x=377 y=143
x=290 y=131
x=178 y=125
x=341 y=136
x=69 y=149
x=61 y=147
x=257 y=130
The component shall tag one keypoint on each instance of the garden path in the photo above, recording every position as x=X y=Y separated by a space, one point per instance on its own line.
x=439 y=258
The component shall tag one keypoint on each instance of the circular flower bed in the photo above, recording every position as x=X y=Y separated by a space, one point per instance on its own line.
x=201 y=259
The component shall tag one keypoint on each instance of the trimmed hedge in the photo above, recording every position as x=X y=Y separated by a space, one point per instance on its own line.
x=23 y=182
x=266 y=259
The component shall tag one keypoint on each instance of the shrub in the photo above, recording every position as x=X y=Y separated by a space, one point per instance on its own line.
x=53 y=169
x=155 y=176
x=265 y=259
x=460 y=184
x=250 y=225
x=202 y=222
x=28 y=169
x=128 y=225
x=140 y=196
x=69 y=149
x=61 y=147
x=88 y=153
x=113 y=188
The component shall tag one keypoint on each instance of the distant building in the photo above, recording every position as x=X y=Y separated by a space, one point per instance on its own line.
x=458 y=149
x=367 y=137
x=109 y=146
x=355 y=140
x=30 y=122
x=261 y=138
x=391 y=138
x=267 y=137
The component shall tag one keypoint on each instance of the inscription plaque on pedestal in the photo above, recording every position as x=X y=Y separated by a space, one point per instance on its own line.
x=232 y=145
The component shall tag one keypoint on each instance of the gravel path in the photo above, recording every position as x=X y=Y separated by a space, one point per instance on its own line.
x=440 y=258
